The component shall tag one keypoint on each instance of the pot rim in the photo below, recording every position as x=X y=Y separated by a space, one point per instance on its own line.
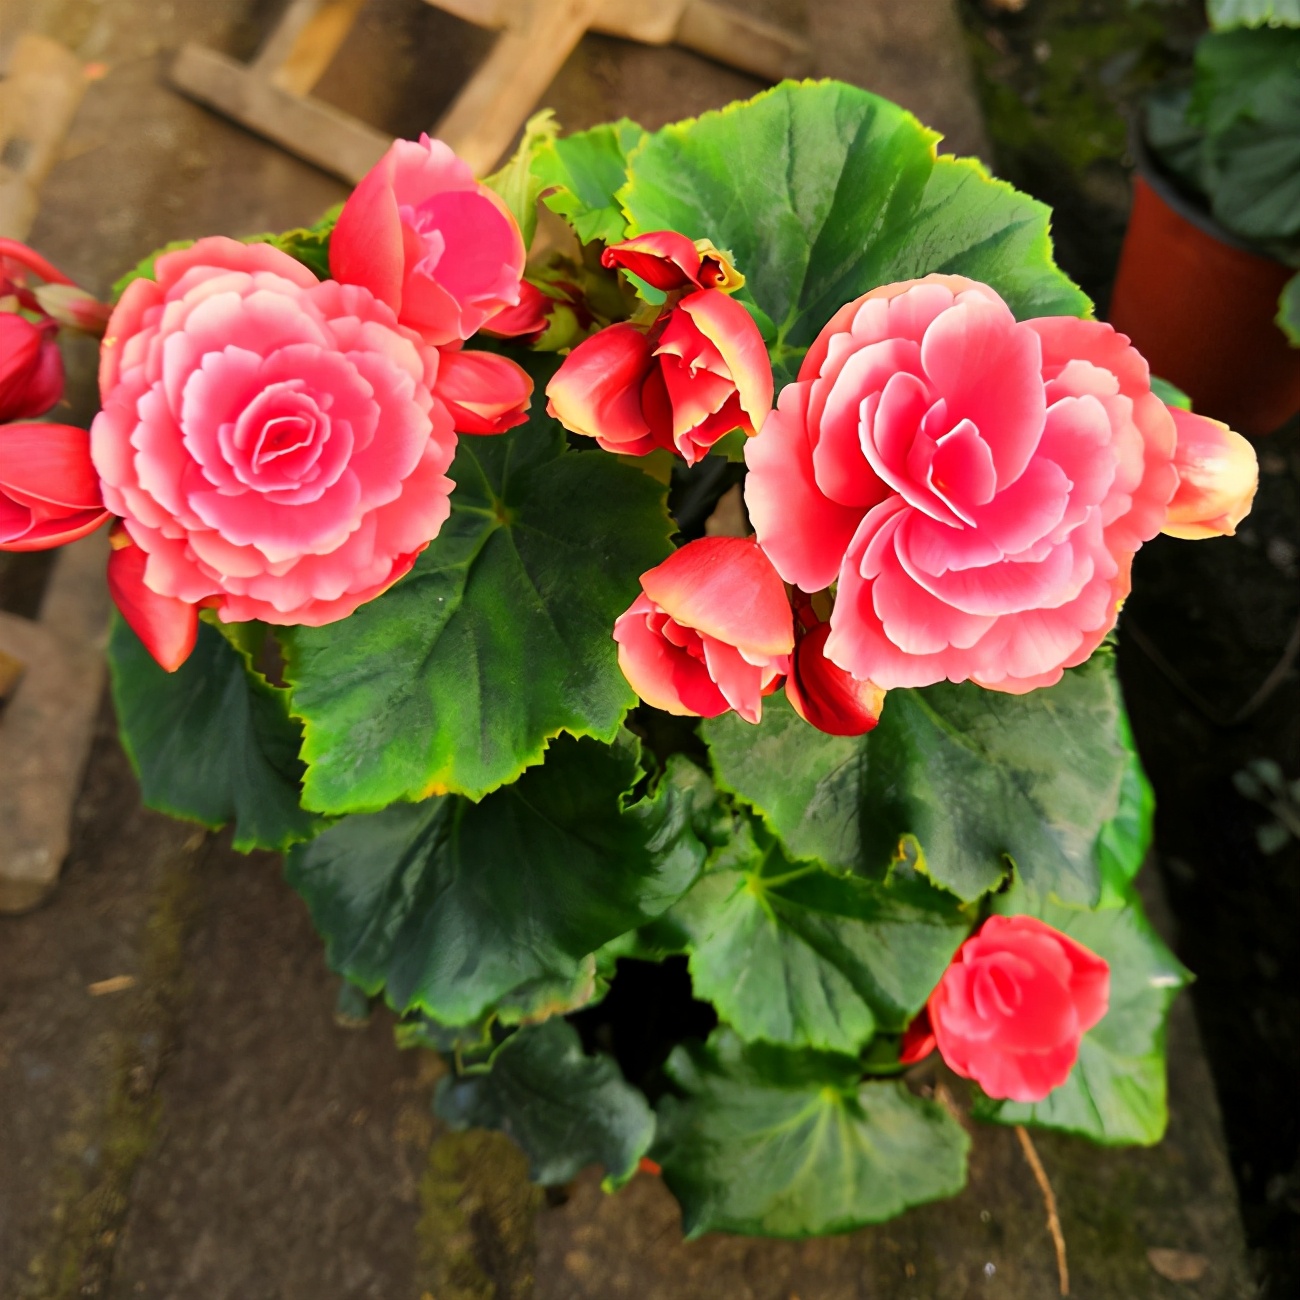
x=1191 y=208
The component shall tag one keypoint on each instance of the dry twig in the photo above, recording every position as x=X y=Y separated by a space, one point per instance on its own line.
x=1049 y=1200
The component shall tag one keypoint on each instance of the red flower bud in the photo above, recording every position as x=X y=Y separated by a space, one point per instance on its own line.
x=918 y=1040
x=485 y=393
x=824 y=695
x=668 y=261
x=526 y=322
x=168 y=627
x=49 y=491
x=31 y=369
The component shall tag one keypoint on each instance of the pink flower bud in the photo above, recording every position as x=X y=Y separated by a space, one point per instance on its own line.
x=1217 y=477
x=824 y=695
x=167 y=627
x=485 y=393
x=711 y=631
x=49 y=492
x=1012 y=1007
x=31 y=369
x=700 y=371
x=73 y=307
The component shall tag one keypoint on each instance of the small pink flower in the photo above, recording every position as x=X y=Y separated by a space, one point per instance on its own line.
x=271 y=440
x=1217 y=478
x=698 y=373
x=711 y=631
x=977 y=487
x=1012 y=1007
x=167 y=627
x=485 y=393
x=49 y=493
x=31 y=369
x=431 y=242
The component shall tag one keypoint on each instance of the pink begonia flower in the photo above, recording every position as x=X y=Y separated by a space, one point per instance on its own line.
x=1217 y=478
x=437 y=246
x=711 y=631
x=49 y=493
x=31 y=368
x=271 y=441
x=976 y=486
x=485 y=393
x=1012 y=1007
x=700 y=371
x=823 y=694
x=167 y=627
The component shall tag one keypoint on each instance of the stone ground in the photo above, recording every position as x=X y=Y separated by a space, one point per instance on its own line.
x=211 y=1131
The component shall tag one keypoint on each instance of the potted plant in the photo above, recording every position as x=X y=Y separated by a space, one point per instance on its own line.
x=1206 y=284
x=530 y=720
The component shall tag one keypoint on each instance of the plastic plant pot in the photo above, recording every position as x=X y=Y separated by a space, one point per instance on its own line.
x=1200 y=305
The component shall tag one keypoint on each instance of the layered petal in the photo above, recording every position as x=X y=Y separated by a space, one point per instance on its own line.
x=1218 y=474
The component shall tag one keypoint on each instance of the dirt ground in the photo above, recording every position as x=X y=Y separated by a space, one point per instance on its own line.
x=213 y=1131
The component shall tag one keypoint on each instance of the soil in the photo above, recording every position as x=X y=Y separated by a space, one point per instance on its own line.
x=1206 y=624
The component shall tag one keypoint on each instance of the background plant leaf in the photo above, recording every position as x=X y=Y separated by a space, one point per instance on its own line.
x=212 y=742
x=450 y=906
x=1225 y=14
x=975 y=776
x=822 y=191
x=793 y=1144
x=517 y=183
x=584 y=171
x=566 y=1109
x=806 y=957
x=1116 y=1093
x=1288 y=310
x=499 y=638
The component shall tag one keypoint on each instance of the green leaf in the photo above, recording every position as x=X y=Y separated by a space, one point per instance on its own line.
x=1115 y=1094
x=1124 y=840
x=1225 y=14
x=805 y=957
x=1288 y=310
x=793 y=1144
x=517 y=183
x=451 y=907
x=212 y=742
x=822 y=191
x=584 y=172
x=1170 y=394
x=498 y=640
x=144 y=269
x=976 y=776
x=566 y=1110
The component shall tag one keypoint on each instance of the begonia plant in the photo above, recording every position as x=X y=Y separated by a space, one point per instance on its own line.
x=720 y=581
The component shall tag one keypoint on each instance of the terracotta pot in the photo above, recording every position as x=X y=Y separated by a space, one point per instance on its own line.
x=1200 y=305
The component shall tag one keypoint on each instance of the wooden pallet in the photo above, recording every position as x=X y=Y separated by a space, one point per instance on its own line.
x=272 y=95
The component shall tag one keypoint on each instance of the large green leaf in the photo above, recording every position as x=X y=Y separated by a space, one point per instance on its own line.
x=566 y=1109
x=795 y=954
x=584 y=172
x=792 y=1144
x=975 y=776
x=822 y=191
x=499 y=638
x=1116 y=1092
x=451 y=906
x=212 y=742
x=1123 y=841
x=1253 y=13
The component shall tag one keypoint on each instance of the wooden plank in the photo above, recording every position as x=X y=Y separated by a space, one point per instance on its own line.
x=734 y=38
x=649 y=22
x=47 y=725
x=487 y=113
x=318 y=41
x=309 y=128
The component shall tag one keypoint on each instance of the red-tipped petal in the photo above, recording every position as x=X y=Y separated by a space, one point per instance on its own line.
x=1218 y=474
x=824 y=695
x=485 y=393
x=726 y=588
x=731 y=329
x=168 y=627
x=597 y=391
x=663 y=259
